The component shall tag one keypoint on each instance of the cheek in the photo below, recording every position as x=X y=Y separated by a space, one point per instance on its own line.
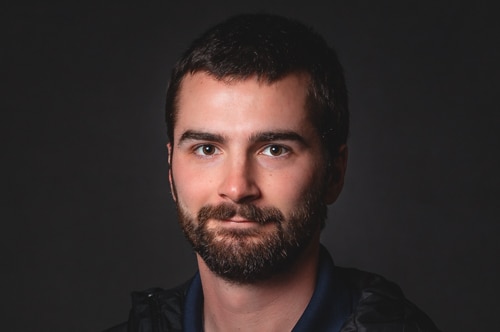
x=192 y=187
x=288 y=188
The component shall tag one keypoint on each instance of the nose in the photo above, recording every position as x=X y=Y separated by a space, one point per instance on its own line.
x=238 y=183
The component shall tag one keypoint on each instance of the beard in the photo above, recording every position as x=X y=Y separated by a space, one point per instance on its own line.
x=246 y=256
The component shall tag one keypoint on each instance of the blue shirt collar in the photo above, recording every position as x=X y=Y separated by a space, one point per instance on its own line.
x=330 y=305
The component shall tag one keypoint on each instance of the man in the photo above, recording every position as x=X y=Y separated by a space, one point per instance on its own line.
x=257 y=121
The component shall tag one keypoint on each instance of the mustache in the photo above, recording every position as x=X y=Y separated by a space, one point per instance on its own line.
x=250 y=212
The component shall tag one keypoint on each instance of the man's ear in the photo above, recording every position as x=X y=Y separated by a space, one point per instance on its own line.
x=170 y=178
x=336 y=175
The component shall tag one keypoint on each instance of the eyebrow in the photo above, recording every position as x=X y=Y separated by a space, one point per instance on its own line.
x=265 y=136
x=201 y=136
x=281 y=135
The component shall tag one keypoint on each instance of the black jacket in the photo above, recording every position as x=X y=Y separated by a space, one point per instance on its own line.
x=377 y=306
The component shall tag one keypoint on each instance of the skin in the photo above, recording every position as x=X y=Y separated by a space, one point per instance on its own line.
x=245 y=141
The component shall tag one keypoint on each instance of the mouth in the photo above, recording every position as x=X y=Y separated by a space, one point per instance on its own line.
x=235 y=221
x=241 y=216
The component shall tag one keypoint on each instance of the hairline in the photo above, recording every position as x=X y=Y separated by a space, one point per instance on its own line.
x=261 y=79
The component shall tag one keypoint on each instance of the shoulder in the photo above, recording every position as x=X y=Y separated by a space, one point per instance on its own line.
x=155 y=307
x=380 y=305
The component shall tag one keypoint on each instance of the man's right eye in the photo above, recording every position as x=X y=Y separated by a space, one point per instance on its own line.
x=206 y=150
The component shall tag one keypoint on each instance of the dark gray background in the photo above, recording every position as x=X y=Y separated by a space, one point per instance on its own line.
x=86 y=212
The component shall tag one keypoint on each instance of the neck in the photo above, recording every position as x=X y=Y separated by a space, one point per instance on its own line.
x=275 y=304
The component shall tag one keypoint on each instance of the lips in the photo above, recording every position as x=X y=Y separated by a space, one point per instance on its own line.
x=243 y=213
x=239 y=220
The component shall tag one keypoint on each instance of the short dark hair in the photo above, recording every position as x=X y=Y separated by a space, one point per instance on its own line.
x=270 y=47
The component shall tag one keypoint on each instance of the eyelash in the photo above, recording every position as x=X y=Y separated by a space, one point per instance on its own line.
x=283 y=150
x=198 y=150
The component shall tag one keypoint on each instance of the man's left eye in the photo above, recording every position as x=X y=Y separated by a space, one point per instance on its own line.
x=275 y=150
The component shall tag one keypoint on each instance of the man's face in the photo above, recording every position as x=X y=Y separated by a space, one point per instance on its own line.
x=248 y=174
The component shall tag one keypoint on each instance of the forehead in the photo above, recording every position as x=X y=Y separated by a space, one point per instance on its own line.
x=205 y=102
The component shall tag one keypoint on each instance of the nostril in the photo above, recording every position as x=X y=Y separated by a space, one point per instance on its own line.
x=239 y=190
x=238 y=183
